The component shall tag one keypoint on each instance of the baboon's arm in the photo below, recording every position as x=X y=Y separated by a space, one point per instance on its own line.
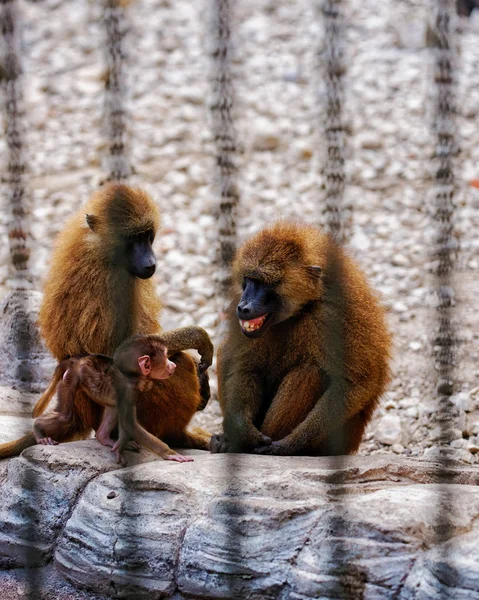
x=190 y=338
x=334 y=407
x=296 y=397
x=241 y=399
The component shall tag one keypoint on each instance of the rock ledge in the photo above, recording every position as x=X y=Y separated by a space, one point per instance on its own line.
x=241 y=526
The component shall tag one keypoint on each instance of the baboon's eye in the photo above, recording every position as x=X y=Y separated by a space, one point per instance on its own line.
x=243 y=285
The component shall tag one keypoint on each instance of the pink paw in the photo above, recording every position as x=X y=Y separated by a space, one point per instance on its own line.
x=179 y=458
x=47 y=442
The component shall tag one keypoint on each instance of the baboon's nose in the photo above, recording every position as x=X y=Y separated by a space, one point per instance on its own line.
x=243 y=310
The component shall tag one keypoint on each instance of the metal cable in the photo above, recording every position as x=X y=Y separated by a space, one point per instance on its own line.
x=225 y=138
x=20 y=277
x=119 y=167
x=445 y=250
x=18 y=205
x=335 y=134
x=446 y=244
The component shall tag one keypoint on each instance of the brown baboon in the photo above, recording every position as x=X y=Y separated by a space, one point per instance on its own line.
x=306 y=357
x=99 y=292
x=112 y=383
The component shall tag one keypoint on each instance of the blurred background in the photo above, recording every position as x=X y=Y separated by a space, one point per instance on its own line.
x=279 y=116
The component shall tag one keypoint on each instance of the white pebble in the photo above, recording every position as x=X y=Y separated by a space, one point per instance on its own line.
x=415 y=346
x=265 y=136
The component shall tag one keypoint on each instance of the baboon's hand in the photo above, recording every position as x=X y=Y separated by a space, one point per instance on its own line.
x=251 y=438
x=274 y=448
x=205 y=393
x=120 y=446
x=133 y=446
x=203 y=366
x=179 y=458
x=221 y=443
x=117 y=452
x=47 y=442
x=218 y=444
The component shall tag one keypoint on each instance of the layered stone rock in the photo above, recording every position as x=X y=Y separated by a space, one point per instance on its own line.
x=241 y=526
x=263 y=527
x=38 y=492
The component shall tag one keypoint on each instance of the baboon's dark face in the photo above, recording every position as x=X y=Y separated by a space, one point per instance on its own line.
x=277 y=277
x=125 y=248
x=258 y=308
x=264 y=304
x=140 y=258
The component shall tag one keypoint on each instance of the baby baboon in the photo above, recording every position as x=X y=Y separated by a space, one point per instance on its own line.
x=111 y=383
x=99 y=292
x=138 y=362
x=306 y=357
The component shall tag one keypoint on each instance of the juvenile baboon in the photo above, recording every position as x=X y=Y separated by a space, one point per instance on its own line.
x=113 y=384
x=99 y=292
x=138 y=362
x=306 y=357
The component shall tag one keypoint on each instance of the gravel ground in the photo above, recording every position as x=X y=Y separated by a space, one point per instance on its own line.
x=278 y=100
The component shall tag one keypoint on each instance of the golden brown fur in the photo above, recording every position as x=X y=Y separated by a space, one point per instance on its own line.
x=312 y=381
x=83 y=288
x=92 y=303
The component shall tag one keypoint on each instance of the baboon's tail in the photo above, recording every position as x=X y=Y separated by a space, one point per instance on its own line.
x=17 y=446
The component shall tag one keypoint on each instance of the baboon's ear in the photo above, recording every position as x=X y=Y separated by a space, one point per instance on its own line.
x=92 y=222
x=315 y=272
x=145 y=365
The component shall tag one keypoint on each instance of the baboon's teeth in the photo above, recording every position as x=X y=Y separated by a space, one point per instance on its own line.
x=253 y=324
